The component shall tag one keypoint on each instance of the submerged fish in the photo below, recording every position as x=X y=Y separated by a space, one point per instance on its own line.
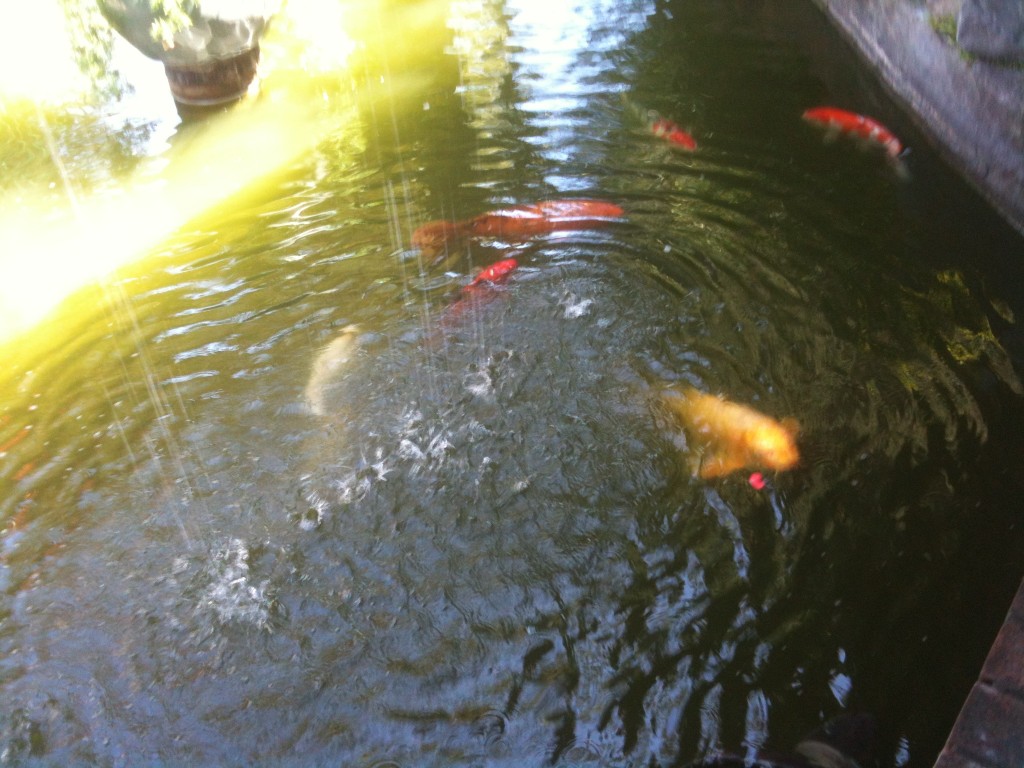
x=493 y=273
x=475 y=294
x=848 y=741
x=659 y=126
x=856 y=126
x=665 y=129
x=331 y=359
x=727 y=436
x=518 y=222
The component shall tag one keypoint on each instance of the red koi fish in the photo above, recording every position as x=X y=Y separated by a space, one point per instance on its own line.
x=857 y=126
x=475 y=295
x=521 y=221
x=659 y=126
x=492 y=274
x=665 y=129
x=726 y=436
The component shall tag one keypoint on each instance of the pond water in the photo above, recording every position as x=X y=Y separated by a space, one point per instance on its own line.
x=487 y=548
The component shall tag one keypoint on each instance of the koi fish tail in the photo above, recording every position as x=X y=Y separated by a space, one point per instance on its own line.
x=634 y=112
x=899 y=167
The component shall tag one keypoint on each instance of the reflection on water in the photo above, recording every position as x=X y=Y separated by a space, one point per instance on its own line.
x=484 y=545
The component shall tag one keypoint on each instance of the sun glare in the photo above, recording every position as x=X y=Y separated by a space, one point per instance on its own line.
x=54 y=242
x=316 y=30
x=35 y=55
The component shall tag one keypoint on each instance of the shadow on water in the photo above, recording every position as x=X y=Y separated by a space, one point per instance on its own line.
x=486 y=546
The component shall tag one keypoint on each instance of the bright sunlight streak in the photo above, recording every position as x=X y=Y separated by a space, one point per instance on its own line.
x=48 y=250
x=35 y=55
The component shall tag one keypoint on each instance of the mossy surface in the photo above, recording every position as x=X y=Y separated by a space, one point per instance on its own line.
x=945 y=25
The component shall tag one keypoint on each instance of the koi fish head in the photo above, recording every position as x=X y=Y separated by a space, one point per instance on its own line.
x=724 y=436
x=773 y=444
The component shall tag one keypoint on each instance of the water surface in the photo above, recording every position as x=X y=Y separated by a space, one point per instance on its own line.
x=489 y=549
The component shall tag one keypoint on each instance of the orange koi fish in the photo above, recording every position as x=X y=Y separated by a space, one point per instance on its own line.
x=18 y=436
x=856 y=126
x=518 y=222
x=492 y=274
x=727 y=436
x=665 y=129
x=661 y=127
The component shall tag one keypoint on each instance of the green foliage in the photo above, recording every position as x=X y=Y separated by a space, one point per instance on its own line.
x=92 y=38
x=945 y=25
x=171 y=16
x=92 y=41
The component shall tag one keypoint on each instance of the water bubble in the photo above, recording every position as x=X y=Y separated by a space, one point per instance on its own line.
x=490 y=727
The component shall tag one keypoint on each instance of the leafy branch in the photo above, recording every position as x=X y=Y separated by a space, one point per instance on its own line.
x=170 y=17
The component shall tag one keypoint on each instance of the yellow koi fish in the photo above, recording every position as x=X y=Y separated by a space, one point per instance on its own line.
x=725 y=436
x=331 y=360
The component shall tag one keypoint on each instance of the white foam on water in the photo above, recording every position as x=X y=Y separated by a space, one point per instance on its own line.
x=575 y=307
x=479 y=383
x=231 y=594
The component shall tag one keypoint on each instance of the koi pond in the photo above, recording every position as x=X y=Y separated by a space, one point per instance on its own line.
x=289 y=493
